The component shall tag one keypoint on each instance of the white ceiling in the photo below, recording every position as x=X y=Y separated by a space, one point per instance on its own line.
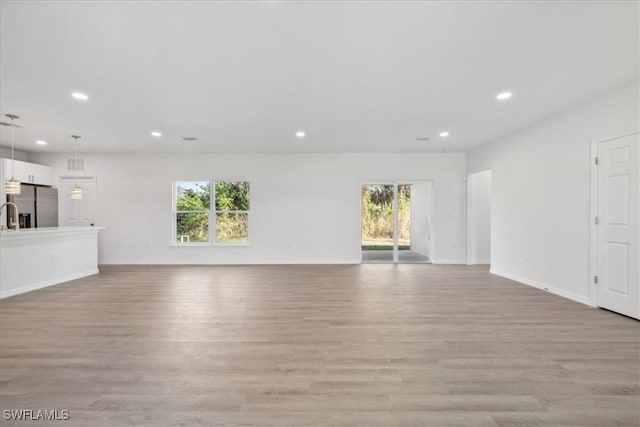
x=356 y=76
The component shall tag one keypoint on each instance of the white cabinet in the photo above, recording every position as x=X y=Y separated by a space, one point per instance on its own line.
x=28 y=173
x=40 y=174
x=39 y=257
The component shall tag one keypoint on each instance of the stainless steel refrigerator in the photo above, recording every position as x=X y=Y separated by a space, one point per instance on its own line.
x=37 y=205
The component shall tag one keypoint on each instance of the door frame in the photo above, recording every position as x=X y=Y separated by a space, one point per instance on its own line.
x=395 y=184
x=468 y=227
x=60 y=184
x=593 y=213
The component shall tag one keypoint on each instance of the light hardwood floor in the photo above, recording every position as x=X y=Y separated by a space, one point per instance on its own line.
x=365 y=345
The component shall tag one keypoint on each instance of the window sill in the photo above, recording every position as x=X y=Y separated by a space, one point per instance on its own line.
x=207 y=245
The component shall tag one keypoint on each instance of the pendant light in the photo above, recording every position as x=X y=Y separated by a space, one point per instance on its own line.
x=76 y=191
x=12 y=186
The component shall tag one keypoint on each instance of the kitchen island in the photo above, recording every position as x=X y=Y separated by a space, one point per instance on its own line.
x=35 y=258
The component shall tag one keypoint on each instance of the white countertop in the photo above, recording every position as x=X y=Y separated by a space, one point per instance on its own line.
x=33 y=232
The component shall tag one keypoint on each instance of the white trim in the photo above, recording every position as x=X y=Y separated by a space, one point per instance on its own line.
x=396 y=223
x=47 y=283
x=593 y=228
x=539 y=285
x=353 y=261
x=478 y=261
x=449 y=261
x=209 y=245
x=467 y=228
x=465 y=240
x=432 y=230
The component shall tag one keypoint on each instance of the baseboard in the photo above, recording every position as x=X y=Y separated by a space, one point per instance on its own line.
x=478 y=261
x=542 y=286
x=47 y=283
x=271 y=262
x=449 y=261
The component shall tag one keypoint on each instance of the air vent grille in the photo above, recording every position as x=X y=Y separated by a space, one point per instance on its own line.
x=75 y=164
x=189 y=138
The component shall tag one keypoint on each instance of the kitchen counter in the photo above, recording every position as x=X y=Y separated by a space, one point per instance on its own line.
x=34 y=258
x=33 y=232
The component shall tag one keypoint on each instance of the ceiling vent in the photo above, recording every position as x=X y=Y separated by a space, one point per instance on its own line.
x=422 y=138
x=75 y=164
x=189 y=138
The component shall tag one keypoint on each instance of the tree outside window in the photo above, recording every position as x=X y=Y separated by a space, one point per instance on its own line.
x=193 y=202
x=193 y=211
x=232 y=212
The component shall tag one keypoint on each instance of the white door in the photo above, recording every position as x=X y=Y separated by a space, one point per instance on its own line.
x=77 y=212
x=618 y=255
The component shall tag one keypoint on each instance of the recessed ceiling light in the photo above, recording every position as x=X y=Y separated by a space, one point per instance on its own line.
x=156 y=133
x=503 y=95
x=300 y=134
x=41 y=142
x=80 y=96
x=444 y=134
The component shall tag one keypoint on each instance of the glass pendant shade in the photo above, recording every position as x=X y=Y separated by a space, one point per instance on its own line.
x=76 y=193
x=12 y=187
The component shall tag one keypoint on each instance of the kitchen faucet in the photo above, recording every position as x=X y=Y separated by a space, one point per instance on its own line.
x=12 y=224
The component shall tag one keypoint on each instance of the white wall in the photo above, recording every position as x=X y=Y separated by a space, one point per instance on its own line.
x=304 y=207
x=420 y=218
x=541 y=189
x=479 y=218
x=5 y=152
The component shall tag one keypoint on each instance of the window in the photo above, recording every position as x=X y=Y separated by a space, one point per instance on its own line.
x=232 y=212
x=202 y=216
x=192 y=205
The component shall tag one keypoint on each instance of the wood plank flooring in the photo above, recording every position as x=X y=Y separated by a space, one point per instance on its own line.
x=362 y=345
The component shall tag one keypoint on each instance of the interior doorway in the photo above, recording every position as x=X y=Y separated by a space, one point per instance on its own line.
x=397 y=222
x=479 y=217
x=616 y=224
x=77 y=212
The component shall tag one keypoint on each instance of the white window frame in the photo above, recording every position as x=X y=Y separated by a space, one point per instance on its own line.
x=212 y=215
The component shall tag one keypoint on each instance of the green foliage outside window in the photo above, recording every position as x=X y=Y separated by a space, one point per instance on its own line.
x=192 y=206
x=232 y=226
x=232 y=196
x=193 y=203
x=377 y=217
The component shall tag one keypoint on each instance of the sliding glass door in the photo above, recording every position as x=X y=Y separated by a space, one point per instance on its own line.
x=377 y=219
x=396 y=222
